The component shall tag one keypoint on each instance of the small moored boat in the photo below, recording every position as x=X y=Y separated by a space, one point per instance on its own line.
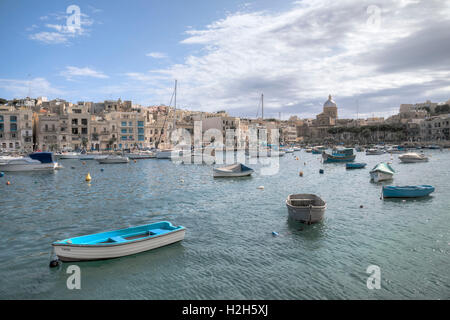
x=407 y=191
x=118 y=243
x=339 y=157
x=307 y=208
x=381 y=172
x=113 y=159
x=413 y=157
x=355 y=165
x=235 y=170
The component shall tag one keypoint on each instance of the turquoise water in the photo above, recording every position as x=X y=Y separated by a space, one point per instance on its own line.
x=229 y=251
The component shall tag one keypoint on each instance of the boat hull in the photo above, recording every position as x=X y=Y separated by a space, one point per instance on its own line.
x=101 y=252
x=28 y=167
x=331 y=158
x=306 y=213
x=355 y=165
x=377 y=176
x=407 y=191
x=221 y=174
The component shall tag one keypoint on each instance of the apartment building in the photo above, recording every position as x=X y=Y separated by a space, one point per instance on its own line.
x=435 y=128
x=16 y=129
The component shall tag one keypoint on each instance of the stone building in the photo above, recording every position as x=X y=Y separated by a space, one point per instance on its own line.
x=16 y=129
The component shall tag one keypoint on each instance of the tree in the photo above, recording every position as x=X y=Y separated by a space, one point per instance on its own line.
x=3 y=101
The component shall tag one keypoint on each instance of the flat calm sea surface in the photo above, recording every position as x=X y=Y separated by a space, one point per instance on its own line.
x=229 y=251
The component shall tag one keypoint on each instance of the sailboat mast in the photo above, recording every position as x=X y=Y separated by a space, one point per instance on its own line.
x=175 y=106
x=262 y=105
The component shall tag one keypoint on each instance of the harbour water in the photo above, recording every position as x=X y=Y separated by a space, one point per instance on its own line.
x=229 y=251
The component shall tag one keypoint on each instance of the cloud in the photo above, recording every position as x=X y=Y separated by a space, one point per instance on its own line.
x=156 y=55
x=36 y=87
x=59 y=33
x=71 y=72
x=299 y=56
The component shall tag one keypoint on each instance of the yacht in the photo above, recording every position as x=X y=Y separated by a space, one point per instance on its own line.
x=34 y=162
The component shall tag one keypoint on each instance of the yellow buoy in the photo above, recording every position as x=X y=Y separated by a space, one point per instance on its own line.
x=88 y=177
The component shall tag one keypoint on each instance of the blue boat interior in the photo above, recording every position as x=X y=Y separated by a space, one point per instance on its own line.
x=43 y=157
x=245 y=168
x=123 y=235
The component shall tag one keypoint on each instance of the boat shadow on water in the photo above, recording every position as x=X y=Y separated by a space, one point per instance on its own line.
x=313 y=231
x=424 y=199
x=136 y=262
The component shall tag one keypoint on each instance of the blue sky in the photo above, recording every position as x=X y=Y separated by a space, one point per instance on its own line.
x=226 y=53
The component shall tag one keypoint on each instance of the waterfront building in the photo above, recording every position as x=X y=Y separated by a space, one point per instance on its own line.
x=16 y=129
x=435 y=128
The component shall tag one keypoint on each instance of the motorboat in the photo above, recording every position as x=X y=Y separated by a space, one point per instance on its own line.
x=141 y=155
x=69 y=155
x=374 y=152
x=37 y=161
x=396 y=149
x=412 y=157
x=309 y=150
x=382 y=171
x=113 y=159
x=355 y=165
x=235 y=170
x=297 y=149
x=307 y=208
x=407 y=191
x=118 y=243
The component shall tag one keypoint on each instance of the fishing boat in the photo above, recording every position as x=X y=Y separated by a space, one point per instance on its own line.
x=113 y=159
x=318 y=150
x=118 y=243
x=374 y=152
x=37 y=161
x=355 y=165
x=382 y=171
x=309 y=150
x=307 y=208
x=413 y=157
x=344 y=155
x=235 y=170
x=407 y=191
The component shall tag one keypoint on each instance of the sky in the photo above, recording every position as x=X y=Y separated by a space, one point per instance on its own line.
x=371 y=56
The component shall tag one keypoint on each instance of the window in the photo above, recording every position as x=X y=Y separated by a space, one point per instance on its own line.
x=124 y=130
x=13 y=118
x=75 y=122
x=140 y=123
x=131 y=138
x=25 y=117
x=1 y=118
x=124 y=138
x=74 y=130
x=141 y=130
x=13 y=126
x=84 y=122
x=130 y=130
x=84 y=131
x=141 y=138
x=130 y=124
x=1 y=127
x=120 y=146
x=124 y=124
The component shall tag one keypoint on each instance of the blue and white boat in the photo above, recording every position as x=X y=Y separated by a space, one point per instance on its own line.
x=407 y=191
x=37 y=161
x=118 y=243
x=342 y=155
x=355 y=165
x=382 y=171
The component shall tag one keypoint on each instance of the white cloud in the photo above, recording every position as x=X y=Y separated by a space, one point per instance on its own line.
x=61 y=33
x=156 y=55
x=71 y=72
x=36 y=87
x=299 y=56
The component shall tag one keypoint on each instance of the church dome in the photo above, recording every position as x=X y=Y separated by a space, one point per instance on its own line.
x=330 y=102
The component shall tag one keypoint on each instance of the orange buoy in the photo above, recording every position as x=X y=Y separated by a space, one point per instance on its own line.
x=301 y=174
x=134 y=160
x=8 y=183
